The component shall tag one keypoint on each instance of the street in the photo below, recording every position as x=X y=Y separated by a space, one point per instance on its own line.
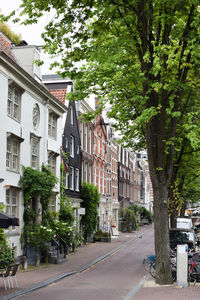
x=112 y=278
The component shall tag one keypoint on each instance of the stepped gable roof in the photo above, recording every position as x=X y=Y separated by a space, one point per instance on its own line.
x=6 y=46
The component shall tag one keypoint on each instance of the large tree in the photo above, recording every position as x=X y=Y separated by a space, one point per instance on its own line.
x=142 y=57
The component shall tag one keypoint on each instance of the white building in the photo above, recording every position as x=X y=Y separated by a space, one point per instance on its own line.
x=31 y=127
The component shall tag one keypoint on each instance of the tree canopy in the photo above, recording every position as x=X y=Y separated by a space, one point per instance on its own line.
x=141 y=57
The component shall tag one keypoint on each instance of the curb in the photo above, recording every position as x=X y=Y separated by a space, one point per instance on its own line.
x=61 y=276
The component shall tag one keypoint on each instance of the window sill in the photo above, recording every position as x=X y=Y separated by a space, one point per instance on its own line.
x=17 y=120
x=13 y=171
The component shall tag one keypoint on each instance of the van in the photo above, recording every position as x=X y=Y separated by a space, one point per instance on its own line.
x=184 y=223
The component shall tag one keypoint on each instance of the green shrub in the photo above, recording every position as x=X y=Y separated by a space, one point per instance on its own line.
x=5 y=29
x=145 y=214
x=90 y=196
x=128 y=220
x=6 y=255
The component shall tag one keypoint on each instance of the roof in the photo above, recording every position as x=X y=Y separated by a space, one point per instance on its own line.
x=59 y=94
x=16 y=69
x=6 y=45
x=50 y=78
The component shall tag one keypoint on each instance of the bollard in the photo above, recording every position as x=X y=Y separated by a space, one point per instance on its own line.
x=182 y=265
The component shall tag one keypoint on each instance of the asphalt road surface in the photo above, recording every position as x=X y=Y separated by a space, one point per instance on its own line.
x=114 y=278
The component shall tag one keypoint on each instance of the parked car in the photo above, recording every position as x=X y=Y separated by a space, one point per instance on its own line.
x=179 y=236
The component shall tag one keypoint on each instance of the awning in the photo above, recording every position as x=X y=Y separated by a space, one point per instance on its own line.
x=7 y=221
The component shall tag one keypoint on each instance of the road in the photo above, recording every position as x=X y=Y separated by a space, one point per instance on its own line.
x=115 y=277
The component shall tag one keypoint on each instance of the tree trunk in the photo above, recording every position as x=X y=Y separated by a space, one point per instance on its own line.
x=173 y=219
x=161 y=234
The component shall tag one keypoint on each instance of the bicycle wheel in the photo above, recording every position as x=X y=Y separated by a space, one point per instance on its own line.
x=153 y=270
x=147 y=264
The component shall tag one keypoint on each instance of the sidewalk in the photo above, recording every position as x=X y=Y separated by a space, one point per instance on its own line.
x=152 y=291
x=82 y=259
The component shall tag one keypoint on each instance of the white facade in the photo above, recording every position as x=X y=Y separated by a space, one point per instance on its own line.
x=29 y=115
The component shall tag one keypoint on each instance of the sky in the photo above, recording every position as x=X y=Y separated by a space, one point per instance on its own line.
x=30 y=33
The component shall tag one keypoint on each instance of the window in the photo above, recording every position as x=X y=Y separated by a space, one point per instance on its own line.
x=95 y=176
x=71 y=146
x=82 y=173
x=128 y=190
x=81 y=133
x=90 y=174
x=71 y=178
x=77 y=149
x=90 y=141
x=14 y=102
x=99 y=146
x=71 y=115
x=86 y=138
x=52 y=125
x=86 y=172
x=52 y=161
x=12 y=202
x=13 y=154
x=103 y=183
x=67 y=180
x=76 y=179
x=52 y=203
x=34 y=152
x=120 y=188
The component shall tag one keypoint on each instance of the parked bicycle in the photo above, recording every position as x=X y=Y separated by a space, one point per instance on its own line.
x=149 y=263
x=194 y=267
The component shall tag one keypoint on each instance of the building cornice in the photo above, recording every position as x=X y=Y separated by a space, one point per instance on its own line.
x=29 y=80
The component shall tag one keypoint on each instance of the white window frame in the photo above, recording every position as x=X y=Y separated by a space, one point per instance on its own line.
x=52 y=125
x=128 y=191
x=72 y=143
x=12 y=202
x=90 y=174
x=52 y=203
x=86 y=172
x=86 y=138
x=14 y=102
x=13 y=154
x=67 y=181
x=90 y=141
x=71 y=115
x=103 y=183
x=77 y=174
x=99 y=146
x=95 y=176
x=52 y=161
x=71 y=181
x=82 y=173
x=81 y=130
x=35 y=152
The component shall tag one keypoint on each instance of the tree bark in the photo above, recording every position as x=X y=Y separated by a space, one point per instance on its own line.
x=161 y=235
